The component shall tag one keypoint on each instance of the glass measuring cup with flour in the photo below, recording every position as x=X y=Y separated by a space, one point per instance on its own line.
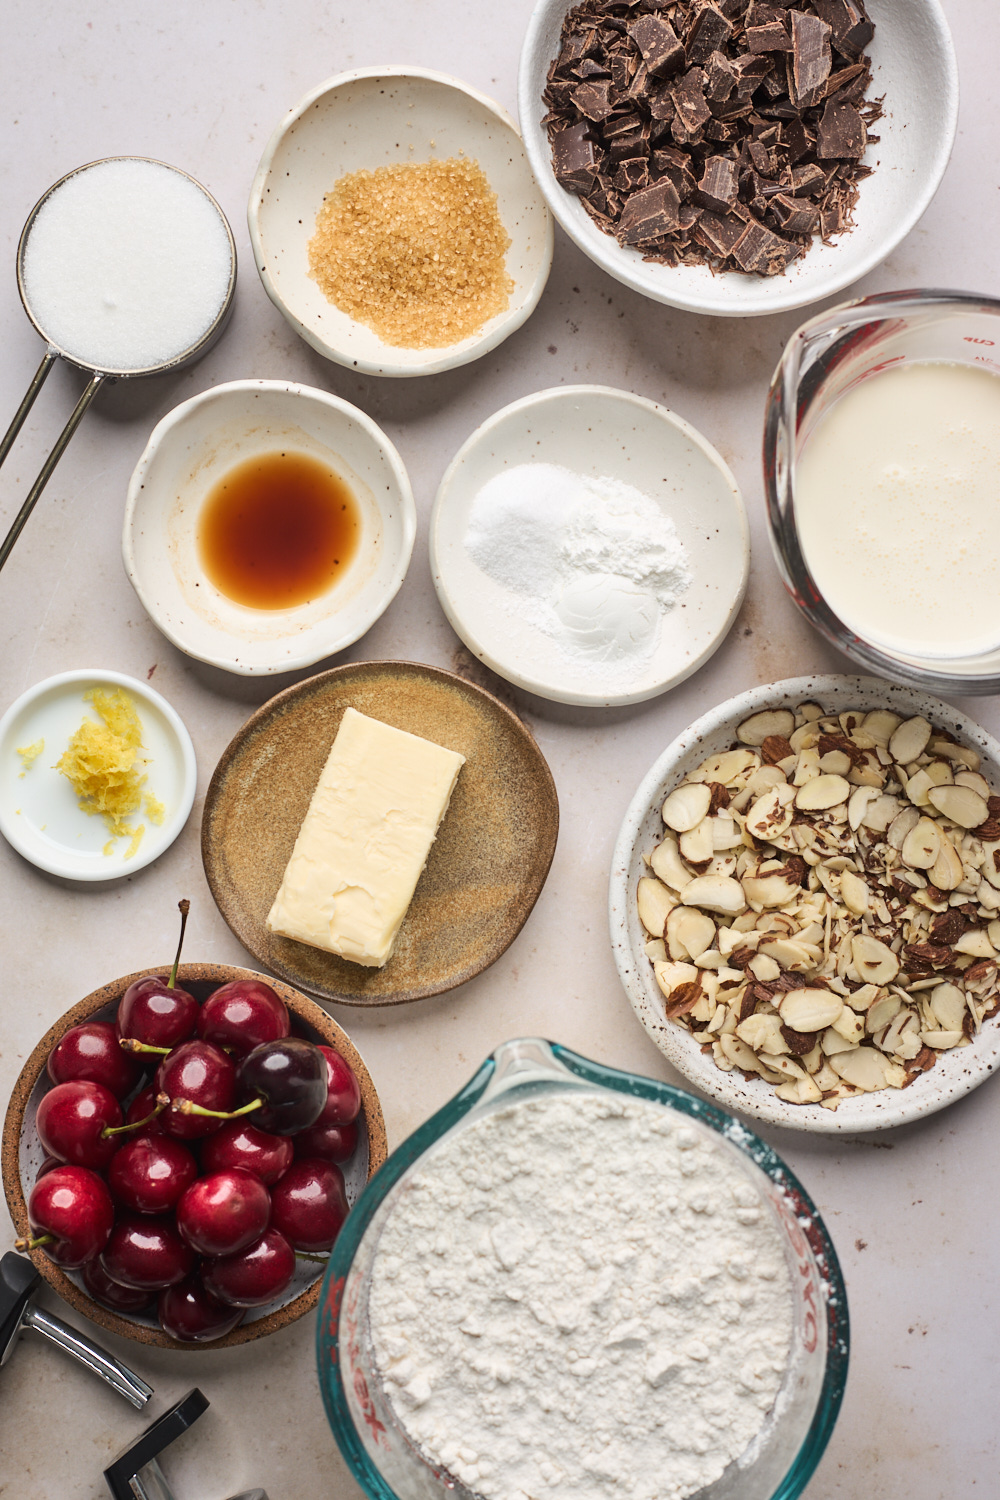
x=882 y=472
x=126 y=267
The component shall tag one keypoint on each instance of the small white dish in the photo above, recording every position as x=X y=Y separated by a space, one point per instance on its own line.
x=373 y=117
x=189 y=451
x=39 y=815
x=954 y=1074
x=596 y=432
x=913 y=65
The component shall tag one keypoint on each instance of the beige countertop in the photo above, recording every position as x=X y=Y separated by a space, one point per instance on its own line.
x=915 y=1212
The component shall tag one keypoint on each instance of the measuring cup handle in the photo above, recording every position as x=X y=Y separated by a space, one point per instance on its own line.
x=88 y=395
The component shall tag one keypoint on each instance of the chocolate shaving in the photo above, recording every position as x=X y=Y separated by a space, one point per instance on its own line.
x=726 y=132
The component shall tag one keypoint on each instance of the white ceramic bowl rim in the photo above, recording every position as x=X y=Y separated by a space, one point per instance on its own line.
x=697 y=439
x=956 y=1073
x=772 y=297
x=156 y=840
x=361 y=621
x=437 y=360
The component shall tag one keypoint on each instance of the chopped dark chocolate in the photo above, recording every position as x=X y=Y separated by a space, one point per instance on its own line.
x=659 y=44
x=650 y=214
x=726 y=132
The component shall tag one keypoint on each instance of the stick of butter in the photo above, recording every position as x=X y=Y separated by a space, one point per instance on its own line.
x=365 y=840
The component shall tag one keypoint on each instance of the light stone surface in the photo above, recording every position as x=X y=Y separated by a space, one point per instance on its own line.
x=914 y=1212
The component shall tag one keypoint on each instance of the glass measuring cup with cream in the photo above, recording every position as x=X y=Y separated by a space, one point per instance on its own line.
x=882 y=471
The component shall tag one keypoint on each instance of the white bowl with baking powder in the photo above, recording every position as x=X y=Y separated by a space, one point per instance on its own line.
x=596 y=433
x=375 y=117
x=199 y=442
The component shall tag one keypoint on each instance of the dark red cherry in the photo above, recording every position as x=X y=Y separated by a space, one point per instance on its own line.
x=242 y=1015
x=91 y=1051
x=224 y=1212
x=71 y=1215
x=309 y=1204
x=74 y=1120
x=146 y=1253
x=239 y=1144
x=124 y=1299
x=151 y=1174
x=343 y=1094
x=254 y=1276
x=289 y=1077
x=152 y=1012
x=329 y=1142
x=200 y=1074
x=48 y=1163
x=190 y=1314
x=143 y=1112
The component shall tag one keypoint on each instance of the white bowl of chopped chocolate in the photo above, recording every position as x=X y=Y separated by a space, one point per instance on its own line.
x=396 y=223
x=805 y=904
x=738 y=157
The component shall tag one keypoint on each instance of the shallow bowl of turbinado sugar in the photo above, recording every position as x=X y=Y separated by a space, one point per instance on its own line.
x=590 y=546
x=914 y=73
x=395 y=120
x=922 y=1033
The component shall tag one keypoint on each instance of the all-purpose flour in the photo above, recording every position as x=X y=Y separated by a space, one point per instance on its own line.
x=580 y=1296
x=593 y=563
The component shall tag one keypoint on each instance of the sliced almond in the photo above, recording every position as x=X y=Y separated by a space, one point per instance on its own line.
x=655 y=904
x=922 y=845
x=975 y=942
x=901 y=826
x=948 y=1005
x=810 y=1009
x=799 y=957
x=768 y=891
x=858 y=804
x=667 y=865
x=725 y=768
x=849 y=1025
x=947 y=871
x=941 y=1041
x=854 y=893
x=918 y=787
x=961 y=804
x=833 y=1043
x=686 y=806
x=881 y=1013
x=822 y=792
x=874 y=960
x=835 y=762
x=863 y=1067
x=772 y=813
x=759 y=726
x=720 y=893
x=669 y=975
x=696 y=844
x=799 y=1091
x=962 y=755
x=763 y=968
x=739 y=1054
x=881 y=725
x=763 y=1034
x=688 y=933
x=972 y=778
x=655 y=950
x=909 y=740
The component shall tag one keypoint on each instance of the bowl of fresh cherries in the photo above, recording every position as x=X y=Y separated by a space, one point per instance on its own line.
x=181 y=1149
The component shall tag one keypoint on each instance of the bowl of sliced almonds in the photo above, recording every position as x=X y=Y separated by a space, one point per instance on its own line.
x=805 y=904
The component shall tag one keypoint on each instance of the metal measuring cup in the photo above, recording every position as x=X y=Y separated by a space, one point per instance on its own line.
x=99 y=374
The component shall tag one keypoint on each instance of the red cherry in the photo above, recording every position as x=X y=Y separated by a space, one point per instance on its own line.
x=254 y=1276
x=143 y=1109
x=146 y=1253
x=74 y=1207
x=125 y=1299
x=309 y=1204
x=330 y=1142
x=243 y=1014
x=201 y=1074
x=151 y=1174
x=240 y=1144
x=73 y=1121
x=190 y=1314
x=153 y=1011
x=47 y=1165
x=343 y=1096
x=224 y=1212
x=91 y=1051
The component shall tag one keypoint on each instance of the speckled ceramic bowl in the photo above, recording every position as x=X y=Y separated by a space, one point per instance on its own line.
x=21 y=1153
x=955 y=1073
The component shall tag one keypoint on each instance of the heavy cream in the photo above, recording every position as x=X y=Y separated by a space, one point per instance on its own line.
x=897 y=506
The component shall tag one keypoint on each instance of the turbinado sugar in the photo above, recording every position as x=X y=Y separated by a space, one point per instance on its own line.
x=414 y=251
x=127 y=265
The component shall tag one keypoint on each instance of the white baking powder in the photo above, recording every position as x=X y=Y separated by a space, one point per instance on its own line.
x=594 y=563
x=578 y=1298
x=127 y=264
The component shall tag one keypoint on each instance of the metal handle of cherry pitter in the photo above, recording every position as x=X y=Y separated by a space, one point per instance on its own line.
x=136 y=1473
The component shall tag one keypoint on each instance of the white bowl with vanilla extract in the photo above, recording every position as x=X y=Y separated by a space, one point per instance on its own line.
x=268 y=526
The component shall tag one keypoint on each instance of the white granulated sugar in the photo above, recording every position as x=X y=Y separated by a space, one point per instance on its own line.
x=593 y=563
x=581 y=1298
x=127 y=265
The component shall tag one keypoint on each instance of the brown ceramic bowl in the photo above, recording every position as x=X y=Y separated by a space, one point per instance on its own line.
x=21 y=1153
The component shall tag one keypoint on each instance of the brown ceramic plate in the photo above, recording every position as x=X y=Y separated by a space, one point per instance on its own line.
x=486 y=867
x=21 y=1153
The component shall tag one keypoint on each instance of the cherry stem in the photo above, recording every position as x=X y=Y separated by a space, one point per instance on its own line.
x=188 y=1107
x=136 y=1124
x=130 y=1044
x=183 y=907
x=43 y=1239
x=304 y=1255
